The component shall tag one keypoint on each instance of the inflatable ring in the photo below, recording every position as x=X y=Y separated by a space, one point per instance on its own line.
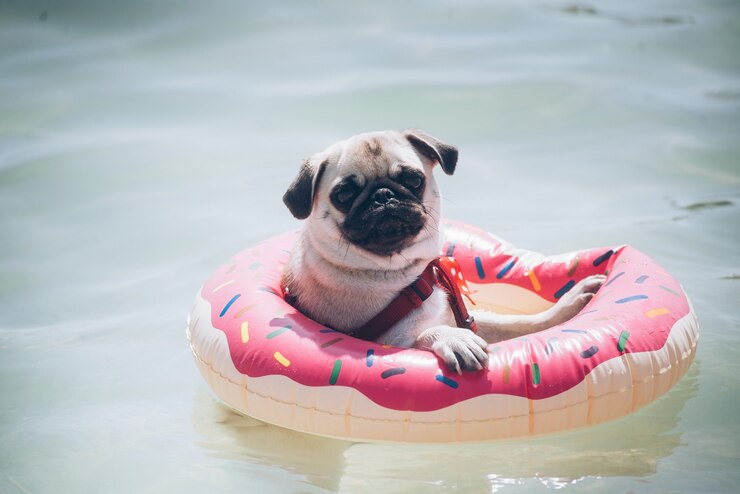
x=630 y=344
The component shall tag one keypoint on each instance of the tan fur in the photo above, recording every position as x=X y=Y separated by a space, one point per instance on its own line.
x=342 y=285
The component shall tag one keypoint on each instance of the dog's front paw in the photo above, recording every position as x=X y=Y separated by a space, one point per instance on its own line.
x=460 y=349
x=576 y=299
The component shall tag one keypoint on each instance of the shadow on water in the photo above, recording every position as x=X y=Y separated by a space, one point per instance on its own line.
x=601 y=451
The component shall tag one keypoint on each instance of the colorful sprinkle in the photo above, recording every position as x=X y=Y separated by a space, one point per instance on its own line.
x=335 y=372
x=535 y=373
x=229 y=304
x=223 y=285
x=565 y=288
x=278 y=332
x=631 y=299
x=242 y=311
x=615 y=278
x=370 y=357
x=579 y=331
x=450 y=250
x=657 y=312
x=245 y=332
x=479 y=267
x=573 y=265
x=603 y=257
x=506 y=374
x=641 y=279
x=669 y=290
x=505 y=270
x=535 y=282
x=623 y=337
x=327 y=330
x=446 y=380
x=392 y=372
x=590 y=352
x=331 y=342
x=281 y=359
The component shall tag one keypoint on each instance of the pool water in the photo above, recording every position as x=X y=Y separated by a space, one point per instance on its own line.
x=142 y=144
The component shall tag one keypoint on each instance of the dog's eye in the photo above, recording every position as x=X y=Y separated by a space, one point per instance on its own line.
x=343 y=195
x=412 y=180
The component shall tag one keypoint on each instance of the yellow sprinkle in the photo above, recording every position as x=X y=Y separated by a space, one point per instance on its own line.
x=281 y=358
x=245 y=332
x=657 y=312
x=223 y=285
x=535 y=281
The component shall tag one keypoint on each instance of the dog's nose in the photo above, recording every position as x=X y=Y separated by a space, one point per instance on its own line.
x=383 y=196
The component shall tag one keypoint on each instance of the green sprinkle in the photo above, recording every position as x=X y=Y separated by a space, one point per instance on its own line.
x=277 y=332
x=623 y=341
x=672 y=292
x=535 y=374
x=335 y=372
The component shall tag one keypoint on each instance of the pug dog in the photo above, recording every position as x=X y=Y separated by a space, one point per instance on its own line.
x=372 y=210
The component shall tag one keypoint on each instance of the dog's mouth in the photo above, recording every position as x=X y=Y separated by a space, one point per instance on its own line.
x=385 y=229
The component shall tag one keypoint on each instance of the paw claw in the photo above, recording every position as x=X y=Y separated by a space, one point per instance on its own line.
x=460 y=349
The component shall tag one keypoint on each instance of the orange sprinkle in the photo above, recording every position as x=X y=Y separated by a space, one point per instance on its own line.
x=535 y=281
x=657 y=312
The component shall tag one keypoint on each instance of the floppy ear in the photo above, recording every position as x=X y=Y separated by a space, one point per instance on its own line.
x=434 y=149
x=300 y=194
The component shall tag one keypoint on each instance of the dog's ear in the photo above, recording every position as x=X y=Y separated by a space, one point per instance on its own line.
x=434 y=149
x=299 y=196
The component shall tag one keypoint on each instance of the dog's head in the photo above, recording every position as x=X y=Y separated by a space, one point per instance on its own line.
x=375 y=191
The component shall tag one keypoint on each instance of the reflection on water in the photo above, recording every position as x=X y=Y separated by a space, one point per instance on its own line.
x=555 y=460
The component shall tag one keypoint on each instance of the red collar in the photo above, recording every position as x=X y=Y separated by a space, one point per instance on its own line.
x=443 y=271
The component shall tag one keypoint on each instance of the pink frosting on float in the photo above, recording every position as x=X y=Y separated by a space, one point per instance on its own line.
x=633 y=312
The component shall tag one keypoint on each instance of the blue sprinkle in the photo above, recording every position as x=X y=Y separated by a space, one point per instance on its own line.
x=590 y=352
x=614 y=278
x=479 y=267
x=506 y=269
x=603 y=257
x=446 y=380
x=370 y=357
x=641 y=279
x=579 y=331
x=229 y=304
x=450 y=250
x=565 y=289
x=631 y=299
x=392 y=372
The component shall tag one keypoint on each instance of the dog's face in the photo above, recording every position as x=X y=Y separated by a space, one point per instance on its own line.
x=374 y=194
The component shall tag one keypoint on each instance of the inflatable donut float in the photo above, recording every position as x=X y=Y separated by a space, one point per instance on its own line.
x=630 y=344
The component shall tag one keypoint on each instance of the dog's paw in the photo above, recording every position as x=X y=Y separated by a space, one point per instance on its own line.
x=576 y=299
x=460 y=349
